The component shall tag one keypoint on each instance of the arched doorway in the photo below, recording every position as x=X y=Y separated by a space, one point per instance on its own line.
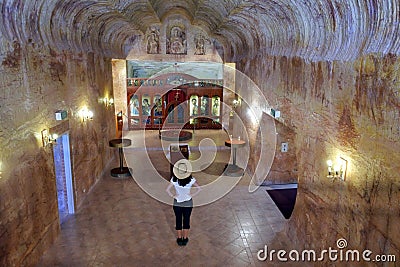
x=176 y=109
x=168 y=101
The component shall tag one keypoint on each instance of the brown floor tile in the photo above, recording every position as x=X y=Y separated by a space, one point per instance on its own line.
x=120 y=225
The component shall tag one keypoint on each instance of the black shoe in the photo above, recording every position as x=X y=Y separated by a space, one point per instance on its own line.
x=179 y=241
x=185 y=241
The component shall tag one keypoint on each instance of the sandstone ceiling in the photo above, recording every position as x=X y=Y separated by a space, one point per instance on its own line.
x=311 y=29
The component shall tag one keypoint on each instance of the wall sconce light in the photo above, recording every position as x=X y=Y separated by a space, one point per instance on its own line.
x=337 y=169
x=108 y=102
x=47 y=138
x=236 y=103
x=53 y=138
x=86 y=114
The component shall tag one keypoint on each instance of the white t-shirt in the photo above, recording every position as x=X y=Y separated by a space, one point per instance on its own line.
x=183 y=192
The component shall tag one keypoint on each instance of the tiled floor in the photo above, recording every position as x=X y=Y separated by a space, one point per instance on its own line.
x=120 y=225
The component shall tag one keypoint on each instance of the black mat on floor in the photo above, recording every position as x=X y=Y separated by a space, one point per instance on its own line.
x=284 y=200
x=216 y=168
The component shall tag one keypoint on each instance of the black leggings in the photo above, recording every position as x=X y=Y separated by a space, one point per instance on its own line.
x=182 y=210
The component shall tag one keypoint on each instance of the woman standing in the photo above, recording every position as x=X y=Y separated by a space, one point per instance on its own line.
x=182 y=181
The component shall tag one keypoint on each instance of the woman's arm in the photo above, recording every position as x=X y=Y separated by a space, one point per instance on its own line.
x=169 y=190
x=198 y=189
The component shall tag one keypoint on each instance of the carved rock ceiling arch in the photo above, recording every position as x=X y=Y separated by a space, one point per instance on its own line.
x=313 y=29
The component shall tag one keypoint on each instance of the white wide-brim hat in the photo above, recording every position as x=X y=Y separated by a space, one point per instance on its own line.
x=182 y=169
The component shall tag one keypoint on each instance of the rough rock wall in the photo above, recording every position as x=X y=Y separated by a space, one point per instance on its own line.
x=35 y=82
x=284 y=166
x=347 y=109
x=119 y=86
